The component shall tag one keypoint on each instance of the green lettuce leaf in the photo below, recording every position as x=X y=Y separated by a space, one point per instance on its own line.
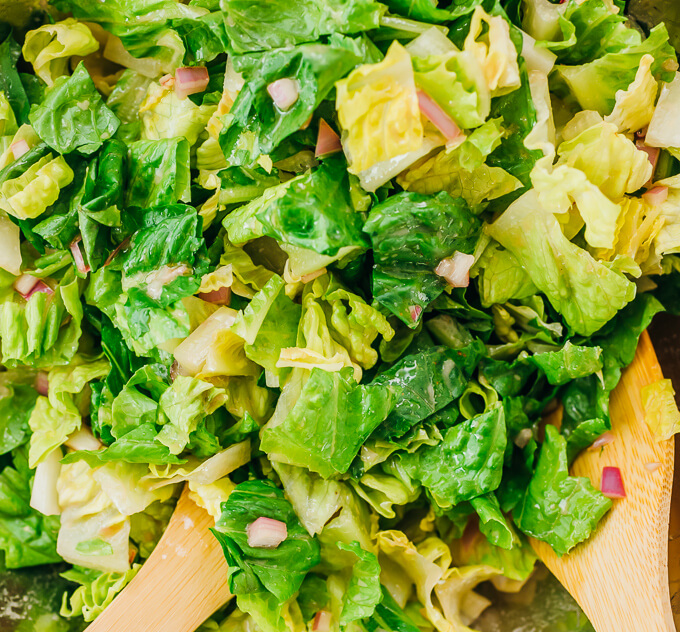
x=269 y=324
x=143 y=325
x=184 y=405
x=429 y=11
x=312 y=211
x=595 y=84
x=520 y=117
x=389 y=616
x=425 y=383
x=10 y=81
x=328 y=441
x=158 y=172
x=589 y=31
x=500 y=277
x=279 y=571
x=363 y=590
x=569 y=363
x=27 y=538
x=43 y=331
x=610 y=160
x=585 y=292
x=261 y=25
x=73 y=117
x=559 y=509
x=125 y=100
x=143 y=27
x=100 y=203
x=516 y=563
x=254 y=124
x=18 y=397
x=167 y=256
x=59 y=414
x=411 y=233
x=466 y=464
x=136 y=446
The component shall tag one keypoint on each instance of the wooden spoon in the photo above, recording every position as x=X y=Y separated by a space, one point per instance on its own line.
x=180 y=585
x=620 y=576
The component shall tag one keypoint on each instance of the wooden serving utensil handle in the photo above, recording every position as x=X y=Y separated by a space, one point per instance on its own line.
x=181 y=584
x=620 y=576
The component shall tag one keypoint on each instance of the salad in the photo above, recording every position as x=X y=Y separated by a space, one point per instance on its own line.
x=329 y=264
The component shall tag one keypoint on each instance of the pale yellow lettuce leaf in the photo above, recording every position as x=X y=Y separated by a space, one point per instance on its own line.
x=563 y=186
x=28 y=195
x=639 y=226
x=50 y=47
x=165 y=115
x=609 y=159
x=634 y=107
x=489 y=41
x=93 y=533
x=661 y=411
x=378 y=111
x=667 y=241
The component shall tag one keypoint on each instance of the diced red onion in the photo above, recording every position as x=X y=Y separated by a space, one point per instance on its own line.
x=456 y=269
x=415 y=311
x=42 y=384
x=218 y=297
x=327 y=141
x=652 y=467
x=191 y=80
x=601 y=441
x=266 y=533
x=523 y=437
x=78 y=257
x=83 y=439
x=28 y=285
x=19 y=148
x=25 y=283
x=440 y=119
x=652 y=153
x=612 y=483
x=284 y=92
x=40 y=288
x=322 y=621
x=656 y=196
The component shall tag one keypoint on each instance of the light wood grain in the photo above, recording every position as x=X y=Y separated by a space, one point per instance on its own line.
x=180 y=585
x=620 y=576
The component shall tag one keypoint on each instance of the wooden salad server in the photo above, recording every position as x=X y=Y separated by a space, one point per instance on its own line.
x=619 y=577
x=181 y=584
